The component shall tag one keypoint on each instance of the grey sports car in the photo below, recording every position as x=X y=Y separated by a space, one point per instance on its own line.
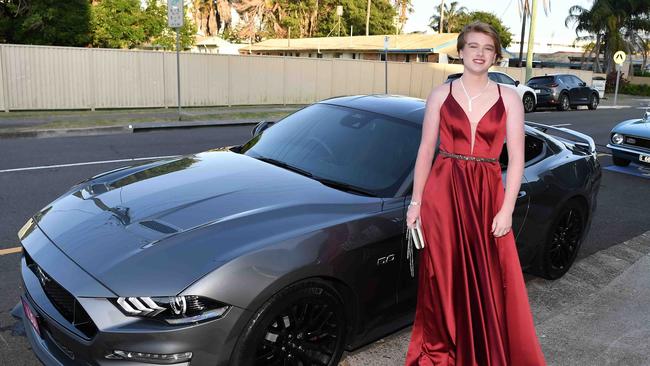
x=285 y=250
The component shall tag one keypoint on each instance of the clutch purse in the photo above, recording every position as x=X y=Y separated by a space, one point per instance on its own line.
x=414 y=238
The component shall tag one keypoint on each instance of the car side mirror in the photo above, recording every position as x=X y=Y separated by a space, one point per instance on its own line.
x=517 y=83
x=582 y=83
x=260 y=127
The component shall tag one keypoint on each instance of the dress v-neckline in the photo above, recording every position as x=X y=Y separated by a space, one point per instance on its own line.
x=472 y=138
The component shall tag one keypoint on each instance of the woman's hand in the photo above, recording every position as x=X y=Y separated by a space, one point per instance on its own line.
x=412 y=214
x=502 y=223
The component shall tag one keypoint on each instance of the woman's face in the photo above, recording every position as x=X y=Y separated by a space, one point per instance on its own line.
x=479 y=52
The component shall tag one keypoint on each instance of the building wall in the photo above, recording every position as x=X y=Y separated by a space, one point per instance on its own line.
x=44 y=77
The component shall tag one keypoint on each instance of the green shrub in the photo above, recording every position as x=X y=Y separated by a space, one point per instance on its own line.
x=634 y=89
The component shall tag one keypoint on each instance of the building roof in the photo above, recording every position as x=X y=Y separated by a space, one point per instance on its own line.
x=412 y=43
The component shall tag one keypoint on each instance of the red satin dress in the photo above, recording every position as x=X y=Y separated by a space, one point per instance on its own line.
x=472 y=306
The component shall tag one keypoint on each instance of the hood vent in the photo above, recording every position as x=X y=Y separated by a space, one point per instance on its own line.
x=159 y=227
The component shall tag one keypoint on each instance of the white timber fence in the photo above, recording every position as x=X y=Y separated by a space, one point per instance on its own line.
x=59 y=78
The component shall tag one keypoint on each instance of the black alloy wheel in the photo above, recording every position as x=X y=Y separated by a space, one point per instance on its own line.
x=593 y=102
x=620 y=161
x=564 y=104
x=563 y=242
x=302 y=325
x=529 y=103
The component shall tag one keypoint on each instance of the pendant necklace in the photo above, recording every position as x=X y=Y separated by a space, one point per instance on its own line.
x=470 y=99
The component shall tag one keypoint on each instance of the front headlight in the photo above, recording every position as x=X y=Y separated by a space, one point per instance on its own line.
x=617 y=138
x=173 y=310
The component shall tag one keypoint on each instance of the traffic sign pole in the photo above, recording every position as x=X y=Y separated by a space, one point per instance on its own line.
x=618 y=77
x=175 y=19
x=619 y=58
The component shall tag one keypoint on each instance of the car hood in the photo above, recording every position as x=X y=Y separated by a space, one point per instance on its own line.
x=636 y=127
x=154 y=229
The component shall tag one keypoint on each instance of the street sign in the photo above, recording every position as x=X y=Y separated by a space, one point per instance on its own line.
x=619 y=57
x=175 y=13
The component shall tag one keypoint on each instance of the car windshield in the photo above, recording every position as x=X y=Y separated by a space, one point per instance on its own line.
x=541 y=80
x=334 y=144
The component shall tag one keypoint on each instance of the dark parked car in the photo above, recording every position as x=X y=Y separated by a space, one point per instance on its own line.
x=563 y=91
x=630 y=141
x=527 y=95
x=287 y=249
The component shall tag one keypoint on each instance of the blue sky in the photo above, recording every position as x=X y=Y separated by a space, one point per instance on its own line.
x=549 y=27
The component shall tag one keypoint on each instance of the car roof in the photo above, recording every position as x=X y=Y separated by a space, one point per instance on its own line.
x=396 y=106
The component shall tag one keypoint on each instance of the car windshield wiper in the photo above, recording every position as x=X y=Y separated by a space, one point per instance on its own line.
x=345 y=186
x=282 y=164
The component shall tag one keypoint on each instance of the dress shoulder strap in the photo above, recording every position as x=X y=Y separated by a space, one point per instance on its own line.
x=499 y=87
x=451 y=82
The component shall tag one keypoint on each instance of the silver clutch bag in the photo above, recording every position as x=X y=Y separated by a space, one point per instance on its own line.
x=414 y=238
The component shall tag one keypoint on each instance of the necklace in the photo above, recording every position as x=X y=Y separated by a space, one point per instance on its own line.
x=470 y=99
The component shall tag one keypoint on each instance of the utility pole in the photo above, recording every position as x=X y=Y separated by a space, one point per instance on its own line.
x=368 y=19
x=442 y=16
x=531 y=41
x=523 y=32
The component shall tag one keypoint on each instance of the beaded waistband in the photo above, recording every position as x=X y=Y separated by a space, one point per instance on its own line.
x=467 y=157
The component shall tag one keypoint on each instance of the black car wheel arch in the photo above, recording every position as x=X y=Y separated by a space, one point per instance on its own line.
x=304 y=323
x=563 y=102
x=593 y=101
x=563 y=241
x=529 y=102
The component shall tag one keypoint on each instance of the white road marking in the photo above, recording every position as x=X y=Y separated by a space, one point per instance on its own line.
x=10 y=250
x=561 y=124
x=86 y=163
x=604 y=154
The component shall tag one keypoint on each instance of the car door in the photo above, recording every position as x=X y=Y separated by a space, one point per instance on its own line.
x=377 y=265
x=572 y=88
x=584 y=90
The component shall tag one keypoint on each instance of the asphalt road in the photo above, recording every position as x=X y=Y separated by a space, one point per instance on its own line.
x=621 y=214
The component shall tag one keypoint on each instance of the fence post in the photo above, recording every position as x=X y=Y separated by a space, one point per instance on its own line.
x=91 y=79
x=228 y=81
x=284 y=79
x=164 y=78
x=3 y=70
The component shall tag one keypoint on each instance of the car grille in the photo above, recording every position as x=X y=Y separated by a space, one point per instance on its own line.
x=63 y=301
x=637 y=141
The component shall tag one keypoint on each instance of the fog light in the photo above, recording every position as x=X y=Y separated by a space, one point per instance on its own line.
x=617 y=138
x=157 y=358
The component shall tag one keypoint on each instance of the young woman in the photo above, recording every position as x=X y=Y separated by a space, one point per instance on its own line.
x=472 y=307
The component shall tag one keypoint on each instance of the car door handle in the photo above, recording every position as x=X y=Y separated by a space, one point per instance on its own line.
x=521 y=194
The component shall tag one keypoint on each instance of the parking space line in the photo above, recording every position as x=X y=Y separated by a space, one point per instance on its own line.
x=10 y=250
x=604 y=154
x=561 y=125
x=86 y=163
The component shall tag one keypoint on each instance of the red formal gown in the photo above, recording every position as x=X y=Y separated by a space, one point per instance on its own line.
x=472 y=305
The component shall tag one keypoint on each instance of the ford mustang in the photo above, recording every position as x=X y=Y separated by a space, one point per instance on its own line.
x=287 y=249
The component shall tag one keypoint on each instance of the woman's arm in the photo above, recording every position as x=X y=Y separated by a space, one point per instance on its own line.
x=427 y=148
x=515 y=144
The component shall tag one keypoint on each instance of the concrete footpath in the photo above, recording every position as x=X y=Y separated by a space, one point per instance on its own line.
x=597 y=314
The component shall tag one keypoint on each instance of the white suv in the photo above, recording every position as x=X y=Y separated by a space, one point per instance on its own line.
x=527 y=95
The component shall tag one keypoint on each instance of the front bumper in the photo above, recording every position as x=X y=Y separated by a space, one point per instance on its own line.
x=629 y=154
x=61 y=343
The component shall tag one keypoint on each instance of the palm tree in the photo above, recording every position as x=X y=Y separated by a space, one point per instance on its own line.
x=452 y=17
x=403 y=7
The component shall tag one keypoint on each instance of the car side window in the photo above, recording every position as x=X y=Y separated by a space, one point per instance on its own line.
x=533 y=149
x=568 y=81
x=506 y=79
x=494 y=77
x=576 y=80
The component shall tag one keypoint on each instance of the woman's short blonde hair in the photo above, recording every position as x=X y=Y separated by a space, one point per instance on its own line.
x=484 y=28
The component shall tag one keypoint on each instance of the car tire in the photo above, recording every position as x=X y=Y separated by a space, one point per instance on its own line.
x=563 y=102
x=562 y=242
x=302 y=324
x=620 y=161
x=529 y=103
x=593 y=102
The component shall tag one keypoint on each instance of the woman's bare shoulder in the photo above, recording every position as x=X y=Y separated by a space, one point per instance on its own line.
x=438 y=94
x=509 y=95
